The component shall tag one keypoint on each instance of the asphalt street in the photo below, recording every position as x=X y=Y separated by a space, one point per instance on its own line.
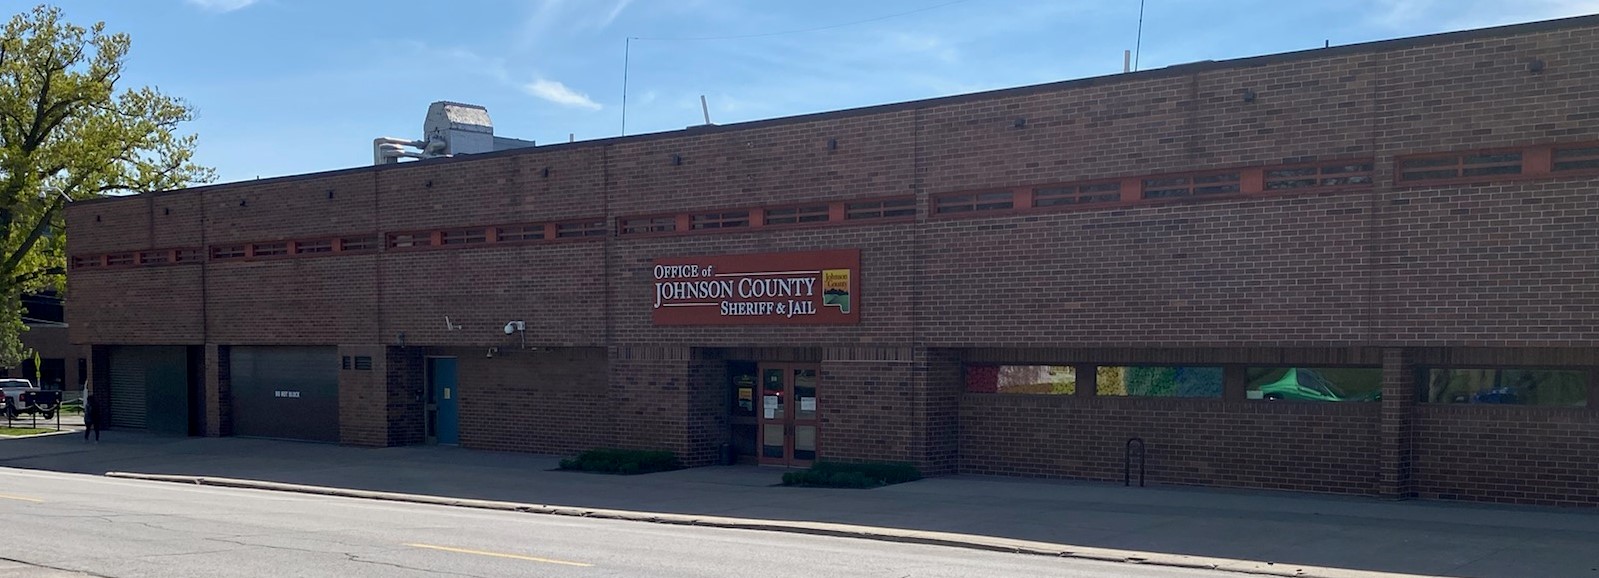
x=57 y=524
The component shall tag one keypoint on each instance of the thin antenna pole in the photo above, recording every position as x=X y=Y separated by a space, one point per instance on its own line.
x=1138 y=45
x=627 y=53
x=705 y=109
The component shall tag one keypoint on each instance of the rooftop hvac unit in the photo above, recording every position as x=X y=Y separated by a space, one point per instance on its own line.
x=450 y=128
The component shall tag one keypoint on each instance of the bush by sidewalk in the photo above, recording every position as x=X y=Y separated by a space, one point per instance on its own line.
x=852 y=475
x=624 y=462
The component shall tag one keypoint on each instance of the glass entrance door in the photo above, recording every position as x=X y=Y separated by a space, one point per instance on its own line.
x=788 y=416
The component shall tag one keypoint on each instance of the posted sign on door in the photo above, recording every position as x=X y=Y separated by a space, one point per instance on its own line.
x=811 y=288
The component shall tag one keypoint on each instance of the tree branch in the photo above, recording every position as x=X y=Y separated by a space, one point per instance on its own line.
x=35 y=274
x=26 y=247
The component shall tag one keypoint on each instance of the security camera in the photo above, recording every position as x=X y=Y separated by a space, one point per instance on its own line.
x=515 y=326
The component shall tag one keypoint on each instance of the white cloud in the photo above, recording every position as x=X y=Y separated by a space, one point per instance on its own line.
x=221 y=5
x=615 y=11
x=546 y=19
x=558 y=93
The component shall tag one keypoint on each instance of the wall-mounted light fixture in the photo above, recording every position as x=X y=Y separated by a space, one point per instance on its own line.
x=244 y=202
x=677 y=160
x=1535 y=66
x=546 y=172
x=166 y=210
x=330 y=193
x=428 y=184
x=1019 y=123
x=832 y=144
x=1249 y=95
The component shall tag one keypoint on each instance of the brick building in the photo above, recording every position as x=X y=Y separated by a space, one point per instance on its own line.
x=1369 y=269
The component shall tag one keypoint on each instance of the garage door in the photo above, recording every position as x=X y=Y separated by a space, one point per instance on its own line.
x=285 y=392
x=150 y=388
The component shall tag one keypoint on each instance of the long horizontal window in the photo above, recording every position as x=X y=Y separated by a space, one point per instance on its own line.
x=365 y=243
x=465 y=237
x=722 y=220
x=1034 y=379
x=1520 y=386
x=1141 y=381
x=407 y=240
x=580 y=229
x=643 y=225
x=971 y=202
x=273 y=249
x=1315 y=384
x=1576 y=158
x=1449 y=167
x=1077 y=195
x=1330 y=175
x=797 y=215
x=224 y=252
x=155 y=258
x=313 y=247
x=880 y=209
x=515 y=233
x=1192 y=185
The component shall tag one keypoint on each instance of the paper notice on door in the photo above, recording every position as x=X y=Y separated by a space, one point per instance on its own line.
x=770 y=402
x=807 y=404
x=771 y=413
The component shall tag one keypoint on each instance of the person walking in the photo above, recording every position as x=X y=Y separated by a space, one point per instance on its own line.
x=91 y=416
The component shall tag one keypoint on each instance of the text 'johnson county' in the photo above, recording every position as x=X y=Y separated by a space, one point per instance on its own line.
x=753 y=294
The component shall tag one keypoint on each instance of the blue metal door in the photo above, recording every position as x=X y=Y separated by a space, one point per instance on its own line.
x=444 y=396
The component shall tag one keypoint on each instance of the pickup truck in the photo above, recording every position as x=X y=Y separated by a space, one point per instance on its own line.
x=21 y=396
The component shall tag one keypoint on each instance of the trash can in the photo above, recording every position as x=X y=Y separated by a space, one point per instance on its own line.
x=728 y=458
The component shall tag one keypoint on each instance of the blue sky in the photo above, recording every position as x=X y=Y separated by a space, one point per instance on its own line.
x=293 y=86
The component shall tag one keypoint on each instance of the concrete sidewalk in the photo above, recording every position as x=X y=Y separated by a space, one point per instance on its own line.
x=1428 y=538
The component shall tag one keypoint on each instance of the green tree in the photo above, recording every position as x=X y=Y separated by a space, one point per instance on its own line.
x=68 y=133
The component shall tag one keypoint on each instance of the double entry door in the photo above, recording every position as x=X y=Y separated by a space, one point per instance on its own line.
x=787 y=414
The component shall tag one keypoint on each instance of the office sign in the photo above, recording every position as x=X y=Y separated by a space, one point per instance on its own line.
x=810 y=288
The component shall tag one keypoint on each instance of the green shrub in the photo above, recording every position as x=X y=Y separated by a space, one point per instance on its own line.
x=852 y=475
x=624 y=462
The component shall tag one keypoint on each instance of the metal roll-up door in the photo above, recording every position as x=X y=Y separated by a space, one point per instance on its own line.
x=128 y=404
x=285 y=392
x=150 y=388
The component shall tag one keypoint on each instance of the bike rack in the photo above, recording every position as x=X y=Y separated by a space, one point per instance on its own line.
x=1135 y=449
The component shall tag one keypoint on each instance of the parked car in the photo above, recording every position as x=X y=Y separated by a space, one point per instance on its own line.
x=21 y=396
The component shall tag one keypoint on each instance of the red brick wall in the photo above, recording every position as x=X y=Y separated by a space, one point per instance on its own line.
x=1521 y=455
x=1289 y=446
x=1503 y=264
x=363 y=394
x=867 y=406
x=152 y=306
x=550 y=401
x=649 y=390
x=1390 y=265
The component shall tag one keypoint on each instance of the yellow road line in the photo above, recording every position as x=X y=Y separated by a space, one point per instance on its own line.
x=20 y=498
x=500 y=555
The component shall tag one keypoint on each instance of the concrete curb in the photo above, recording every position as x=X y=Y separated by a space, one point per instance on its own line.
x=969 y=541
x=42 y=435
